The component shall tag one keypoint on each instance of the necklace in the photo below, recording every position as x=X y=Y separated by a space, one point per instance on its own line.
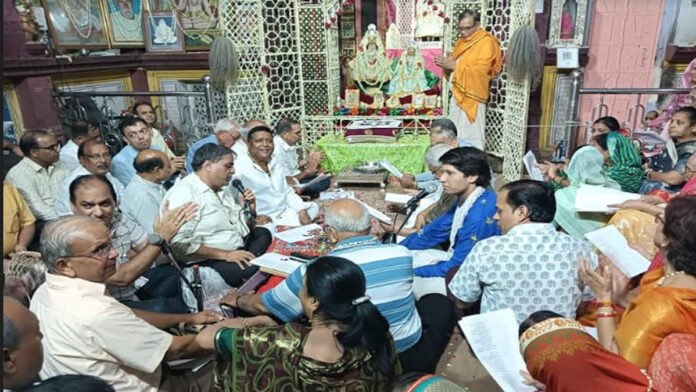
x=79 y=26
x=669 y=275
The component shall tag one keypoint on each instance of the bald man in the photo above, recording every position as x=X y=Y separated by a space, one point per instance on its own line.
x=143 y=195
x=240 y=147
x=21 y=345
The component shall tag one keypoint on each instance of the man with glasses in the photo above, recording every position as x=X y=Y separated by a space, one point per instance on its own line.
x=80 y=132
x=39 y=174
x=95 y=158
x=477 y=58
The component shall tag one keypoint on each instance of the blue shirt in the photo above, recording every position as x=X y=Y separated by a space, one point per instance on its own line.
x=122 y=164
x=478 y=225
x=192 y=150
x=388 y=270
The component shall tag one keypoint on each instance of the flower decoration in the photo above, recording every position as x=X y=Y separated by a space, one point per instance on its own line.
x=333 y=19
x=447 y=19
x=434 y=8
x=430 y=2
x=441 y=14
x=327 y=25
x=425 y=13
x=266 y=69
x=339 y=12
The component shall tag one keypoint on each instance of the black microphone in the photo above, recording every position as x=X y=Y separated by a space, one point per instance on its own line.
x=429 y=188
x=157 y=240
x=237 y=184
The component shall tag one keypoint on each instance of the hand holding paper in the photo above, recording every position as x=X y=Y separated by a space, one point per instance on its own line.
x=614 y=245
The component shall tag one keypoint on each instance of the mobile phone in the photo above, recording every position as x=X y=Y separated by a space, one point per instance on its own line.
x=227 y=311
x=301 y=257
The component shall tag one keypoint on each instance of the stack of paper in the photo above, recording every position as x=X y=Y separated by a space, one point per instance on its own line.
x=593 y=198
x=397 y=198
x=614 y=245
x=493 y=337
x=297 y=234
x=276 y=264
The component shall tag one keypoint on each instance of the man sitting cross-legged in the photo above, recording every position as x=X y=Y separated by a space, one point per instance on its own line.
x=219 y=234
x=87 y=331
x=420 y=329
x=266 y=179
x=135 y=282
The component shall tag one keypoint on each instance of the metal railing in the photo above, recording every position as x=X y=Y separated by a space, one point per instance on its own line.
x=602 y=109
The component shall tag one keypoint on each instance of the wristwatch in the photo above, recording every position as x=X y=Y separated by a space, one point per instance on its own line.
x=155 y=239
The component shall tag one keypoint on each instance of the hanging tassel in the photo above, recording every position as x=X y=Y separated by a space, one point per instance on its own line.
x=524 y=59
x=224 y=62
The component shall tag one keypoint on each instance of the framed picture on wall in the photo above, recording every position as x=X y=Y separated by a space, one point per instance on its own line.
x=200 y=21
x=125 y=22
x=567 y=25
x=76 y=24
x=162 y=33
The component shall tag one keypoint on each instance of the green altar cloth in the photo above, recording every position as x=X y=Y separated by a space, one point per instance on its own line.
x=406 y=154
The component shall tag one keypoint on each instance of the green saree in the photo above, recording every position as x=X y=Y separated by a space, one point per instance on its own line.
x=585 y=167
x=626 y=166
x=270 y=359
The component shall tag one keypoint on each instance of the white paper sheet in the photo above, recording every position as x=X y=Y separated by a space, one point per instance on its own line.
x=397 y=198
x=297 y=234
x=530 y=163
x=314 y=181
x=493 y=337
x=391 y=169
x=377 y=214
x=276 y=264
x=592 y=198
x=613 y=244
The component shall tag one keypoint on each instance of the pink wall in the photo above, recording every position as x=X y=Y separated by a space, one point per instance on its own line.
x=622 y=45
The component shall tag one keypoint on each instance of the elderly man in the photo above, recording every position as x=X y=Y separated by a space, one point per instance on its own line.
x=138 y=137
x=39 y=174
x=87 y=331
x=146 y=112
x=266 y=179
x=80 y=132
x=288 y=134
x=477 y=58
x=136 y=283
x=219 y=234
x=143 y=196
x=226 y=133
x=420 y=329
x=21 y=345
x=466 y=174
x=531 y=266
x=95 y=158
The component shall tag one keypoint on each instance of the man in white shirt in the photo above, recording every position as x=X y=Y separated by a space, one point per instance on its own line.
x=87 y=331
x=39 y=174
x=143 y=196
x=21 y=345
x=95 y=158
x=288 y=134
x=220 y=231
x=266 y=179
x=531 y=266
x=137 y=282
x=80 y=132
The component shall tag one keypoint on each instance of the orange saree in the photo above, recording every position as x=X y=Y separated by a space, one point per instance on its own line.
x=478 y=58
x=655 y=313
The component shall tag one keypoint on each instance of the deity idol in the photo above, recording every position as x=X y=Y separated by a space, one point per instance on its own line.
x=409 y=77
x=371 y=68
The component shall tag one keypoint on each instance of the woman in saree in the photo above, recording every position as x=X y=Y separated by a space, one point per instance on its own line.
x=666 y=300
x=623 y=160
x=585 y=167
x=562 y=357
x=346 y=347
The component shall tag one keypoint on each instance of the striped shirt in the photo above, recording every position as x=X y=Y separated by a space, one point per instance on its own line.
x=388 y=273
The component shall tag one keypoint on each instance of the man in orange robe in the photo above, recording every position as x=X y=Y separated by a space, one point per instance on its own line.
x=477 y=58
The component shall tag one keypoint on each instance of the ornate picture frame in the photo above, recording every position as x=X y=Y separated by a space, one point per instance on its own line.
x=162 y=33
x=567 y=24
x=199 y=20
x=125 y=22
x=76 y=24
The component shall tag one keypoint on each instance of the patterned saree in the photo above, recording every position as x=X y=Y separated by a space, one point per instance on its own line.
x=270 y=359
x=626 y=166
x=560 y=354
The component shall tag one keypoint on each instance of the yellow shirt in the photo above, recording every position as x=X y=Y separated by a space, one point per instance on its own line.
x=158 y=140
x=16 y=214
x=478 y=59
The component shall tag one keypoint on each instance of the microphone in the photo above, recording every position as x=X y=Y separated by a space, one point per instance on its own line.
x=157 y=240
x=429 y=188
x=237 y=184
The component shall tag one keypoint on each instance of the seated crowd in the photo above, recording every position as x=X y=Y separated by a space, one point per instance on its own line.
x=118 y=234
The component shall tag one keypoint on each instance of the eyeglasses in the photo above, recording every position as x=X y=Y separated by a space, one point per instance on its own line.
x=99 y=254
x=54 y=147
x=104 y=156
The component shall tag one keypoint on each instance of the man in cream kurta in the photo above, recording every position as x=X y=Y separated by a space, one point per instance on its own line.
x=477 y=58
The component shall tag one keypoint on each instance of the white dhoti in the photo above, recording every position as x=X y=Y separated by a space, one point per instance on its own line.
x=424 y=286
x=474 y=133
x=291 y=217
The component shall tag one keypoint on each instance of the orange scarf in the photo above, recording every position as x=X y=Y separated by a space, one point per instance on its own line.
x=478 y=59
